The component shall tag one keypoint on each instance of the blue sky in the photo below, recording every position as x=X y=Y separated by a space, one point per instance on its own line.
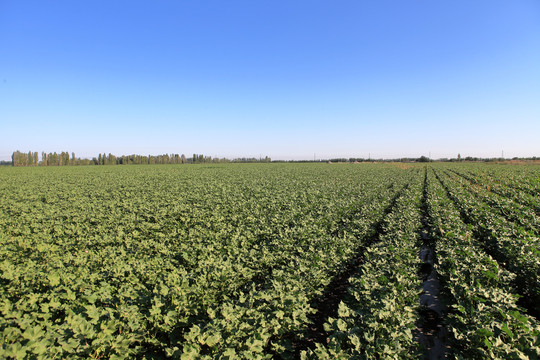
x=287 y=79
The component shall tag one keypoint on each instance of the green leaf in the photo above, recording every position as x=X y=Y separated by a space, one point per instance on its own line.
x=54 y=279
x=507 y=331
x=342 y=325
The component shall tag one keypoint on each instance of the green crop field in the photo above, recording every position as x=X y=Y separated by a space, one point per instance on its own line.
x=270 y=261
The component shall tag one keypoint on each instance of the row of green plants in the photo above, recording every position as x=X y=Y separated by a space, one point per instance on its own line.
x=520 y=183
x=524 y=215
x=508 y=242
x=483 y=319
x=527 y=195
x=378 y=318
x=267 y=316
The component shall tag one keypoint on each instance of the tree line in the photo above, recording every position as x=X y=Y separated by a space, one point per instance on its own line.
x=65 y=158
x=31 y=158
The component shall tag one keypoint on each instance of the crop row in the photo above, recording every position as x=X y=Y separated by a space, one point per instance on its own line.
x=386 y=284
x=506 y=241
x=522 y=187
x=483 y=320
x=513 y=210
x=270 y=314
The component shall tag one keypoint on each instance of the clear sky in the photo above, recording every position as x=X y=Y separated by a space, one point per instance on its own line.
x=287 y=79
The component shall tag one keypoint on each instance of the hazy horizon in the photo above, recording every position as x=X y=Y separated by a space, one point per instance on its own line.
x=288 y=80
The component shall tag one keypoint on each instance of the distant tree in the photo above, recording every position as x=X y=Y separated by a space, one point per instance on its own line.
x=65 y=158
x=111 y=159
